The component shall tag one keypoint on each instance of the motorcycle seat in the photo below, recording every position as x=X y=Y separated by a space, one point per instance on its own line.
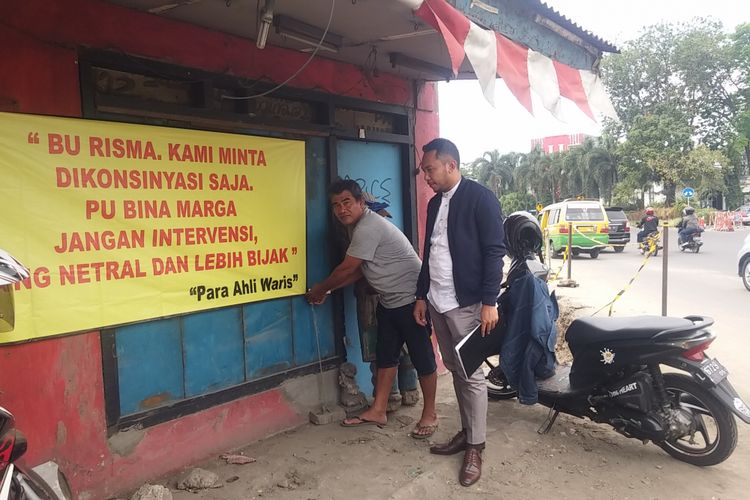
x=596 y=330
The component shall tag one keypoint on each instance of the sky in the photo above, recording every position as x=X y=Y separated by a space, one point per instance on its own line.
x=509 y=127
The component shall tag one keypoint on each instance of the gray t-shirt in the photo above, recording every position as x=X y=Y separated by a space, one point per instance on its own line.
x=391 y=265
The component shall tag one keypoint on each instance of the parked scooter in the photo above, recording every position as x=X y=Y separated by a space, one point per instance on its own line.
x=45 y=482
x=616 y=379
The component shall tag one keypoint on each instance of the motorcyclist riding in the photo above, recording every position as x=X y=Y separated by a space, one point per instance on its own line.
x=688 y=225
x=649 y=224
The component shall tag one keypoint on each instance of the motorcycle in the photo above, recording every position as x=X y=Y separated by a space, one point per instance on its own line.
x=694 y=242
x=650 y=244
x=17 y=482
x=616 y=379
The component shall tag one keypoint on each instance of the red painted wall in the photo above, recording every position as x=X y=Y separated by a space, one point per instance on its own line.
x=54 y=387
x=428 y=128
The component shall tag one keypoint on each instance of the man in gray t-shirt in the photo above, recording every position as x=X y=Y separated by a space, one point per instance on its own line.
x=381 y=253
x=389 y=263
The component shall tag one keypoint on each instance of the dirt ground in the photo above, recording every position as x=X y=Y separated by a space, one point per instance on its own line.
x=576 y=460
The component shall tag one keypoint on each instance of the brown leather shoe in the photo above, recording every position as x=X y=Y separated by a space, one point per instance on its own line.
x=455 y=445
x=471 y=470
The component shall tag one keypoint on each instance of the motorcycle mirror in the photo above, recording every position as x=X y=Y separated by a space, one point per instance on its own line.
x=11 y=271
x=20 y=446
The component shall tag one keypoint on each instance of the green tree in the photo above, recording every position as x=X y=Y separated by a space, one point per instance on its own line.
x=705 y=170
x=603 y=164
x=738 y=149
x=675 y=78
x=512 y=202
x=656 y=149
x=688 y=67
x=533 y=175
x=495 y=170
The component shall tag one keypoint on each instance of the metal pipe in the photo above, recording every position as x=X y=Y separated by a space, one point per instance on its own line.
x=570 y=247
x=664 y=268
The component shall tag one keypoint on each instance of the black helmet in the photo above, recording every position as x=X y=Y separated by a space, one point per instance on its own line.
x=689 y=210
x=523 y=235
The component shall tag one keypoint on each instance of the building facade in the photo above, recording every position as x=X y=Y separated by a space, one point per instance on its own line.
x=117 y=404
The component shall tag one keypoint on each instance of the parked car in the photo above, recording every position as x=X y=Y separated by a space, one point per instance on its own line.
x=743 y=262
x=590 y=226
x=619 y=229
x=742 y=215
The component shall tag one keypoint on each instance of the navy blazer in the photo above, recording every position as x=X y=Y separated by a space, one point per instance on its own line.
x=476 y=241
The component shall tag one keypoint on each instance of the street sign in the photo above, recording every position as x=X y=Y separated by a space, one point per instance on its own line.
x=688 y=192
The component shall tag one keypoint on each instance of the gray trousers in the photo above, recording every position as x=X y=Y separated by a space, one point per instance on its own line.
x=450 y=327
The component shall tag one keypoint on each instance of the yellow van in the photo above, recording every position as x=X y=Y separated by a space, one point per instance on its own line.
x=590 y=226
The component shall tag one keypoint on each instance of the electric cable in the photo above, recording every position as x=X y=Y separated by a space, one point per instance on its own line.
x=321 y=383
x=296 y=73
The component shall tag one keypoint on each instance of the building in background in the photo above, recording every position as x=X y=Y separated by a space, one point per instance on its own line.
x=558 y=143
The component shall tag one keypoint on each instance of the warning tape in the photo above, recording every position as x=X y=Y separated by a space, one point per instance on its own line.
x=653 y=242
x=599 y=243
x=554 y=276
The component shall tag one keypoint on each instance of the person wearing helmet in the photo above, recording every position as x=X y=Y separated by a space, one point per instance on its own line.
x=687 y=226
x=649 y=224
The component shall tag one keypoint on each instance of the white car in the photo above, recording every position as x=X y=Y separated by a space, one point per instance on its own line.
x=742 y=215
x=743 y=262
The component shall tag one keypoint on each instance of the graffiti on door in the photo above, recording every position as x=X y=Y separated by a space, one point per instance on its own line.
x=378 y=188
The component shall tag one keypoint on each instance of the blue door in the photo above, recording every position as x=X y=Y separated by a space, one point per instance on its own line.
x=377 y=169
x=162 y=362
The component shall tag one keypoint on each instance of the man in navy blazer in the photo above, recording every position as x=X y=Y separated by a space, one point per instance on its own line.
x=462 y=267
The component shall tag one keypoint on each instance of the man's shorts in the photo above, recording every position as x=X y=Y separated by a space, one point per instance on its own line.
x=396 y=326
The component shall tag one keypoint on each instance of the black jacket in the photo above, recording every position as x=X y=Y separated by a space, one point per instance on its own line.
x=476 y=241
x=649 y=223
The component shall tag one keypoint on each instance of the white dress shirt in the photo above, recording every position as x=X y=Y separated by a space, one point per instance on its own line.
x=442 y=293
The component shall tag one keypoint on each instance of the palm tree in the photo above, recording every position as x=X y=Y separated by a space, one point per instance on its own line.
x=602 y=164
x=575 y=173
x=523 y=175
x=496 y=171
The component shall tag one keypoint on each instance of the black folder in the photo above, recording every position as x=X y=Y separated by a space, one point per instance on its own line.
x=474 y=349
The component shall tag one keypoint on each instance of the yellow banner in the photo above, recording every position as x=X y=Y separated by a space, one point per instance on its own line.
x=121 y=223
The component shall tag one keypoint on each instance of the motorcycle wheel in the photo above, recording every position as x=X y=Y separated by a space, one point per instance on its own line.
x=697 y=248
x=497 y=385
x=715 y=436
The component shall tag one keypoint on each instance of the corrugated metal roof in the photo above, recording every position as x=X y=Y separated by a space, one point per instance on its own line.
x=553 y=15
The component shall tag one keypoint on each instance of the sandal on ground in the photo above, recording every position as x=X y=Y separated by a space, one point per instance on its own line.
x=424 y=431
x=360 y=422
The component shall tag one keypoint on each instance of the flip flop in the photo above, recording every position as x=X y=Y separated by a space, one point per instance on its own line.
x=361 y=422
x=416 y=434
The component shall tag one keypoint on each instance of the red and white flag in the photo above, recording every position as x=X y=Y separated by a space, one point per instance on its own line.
x=524 y=71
